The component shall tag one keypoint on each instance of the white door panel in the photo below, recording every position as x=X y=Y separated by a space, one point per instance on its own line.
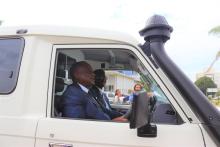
x=16 y=141
x=17 y=131
x=83 y=133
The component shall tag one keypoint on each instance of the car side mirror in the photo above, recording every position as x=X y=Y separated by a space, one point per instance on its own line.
x=139 y=111
x=141 y=115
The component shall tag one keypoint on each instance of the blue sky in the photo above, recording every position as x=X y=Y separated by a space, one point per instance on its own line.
x=191 y=47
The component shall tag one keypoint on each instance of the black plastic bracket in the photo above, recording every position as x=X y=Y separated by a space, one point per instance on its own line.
x=149 y=130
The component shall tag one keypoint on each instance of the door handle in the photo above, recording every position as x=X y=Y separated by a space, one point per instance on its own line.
x=59 y=145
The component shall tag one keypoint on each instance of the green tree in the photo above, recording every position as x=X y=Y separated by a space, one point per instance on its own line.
x=218 y=93
x=205 y=82
x=215 y=31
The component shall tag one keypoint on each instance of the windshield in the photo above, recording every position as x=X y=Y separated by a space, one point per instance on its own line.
x=151 y=85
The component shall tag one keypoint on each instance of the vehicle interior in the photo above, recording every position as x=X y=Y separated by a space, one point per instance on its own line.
x=123 y=70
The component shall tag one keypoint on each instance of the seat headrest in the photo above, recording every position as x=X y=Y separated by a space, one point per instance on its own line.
x=59 y=87
x=61 y=73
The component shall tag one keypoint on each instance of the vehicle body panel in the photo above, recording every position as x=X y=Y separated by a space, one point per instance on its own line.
x=25 y=114
x=99 y=133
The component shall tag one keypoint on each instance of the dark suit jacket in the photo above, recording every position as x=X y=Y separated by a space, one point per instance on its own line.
x=103 y=101
x=78 y=104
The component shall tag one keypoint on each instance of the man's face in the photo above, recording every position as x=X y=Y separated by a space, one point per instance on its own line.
x=100 y=81
x=85 y=76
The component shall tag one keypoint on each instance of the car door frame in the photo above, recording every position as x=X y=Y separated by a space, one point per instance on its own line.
x=178 y=103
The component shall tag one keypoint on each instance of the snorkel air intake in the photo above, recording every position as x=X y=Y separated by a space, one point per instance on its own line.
x=156 y=33
x=156 y=28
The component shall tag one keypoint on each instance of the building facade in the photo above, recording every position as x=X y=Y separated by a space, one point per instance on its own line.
x=122 y=81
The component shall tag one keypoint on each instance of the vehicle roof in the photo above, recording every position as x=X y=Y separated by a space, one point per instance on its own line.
x=68 y=32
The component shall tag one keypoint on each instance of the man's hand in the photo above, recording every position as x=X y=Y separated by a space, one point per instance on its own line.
x=120 y=119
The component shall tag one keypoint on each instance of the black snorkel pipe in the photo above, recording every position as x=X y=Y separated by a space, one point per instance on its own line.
x=156 y=33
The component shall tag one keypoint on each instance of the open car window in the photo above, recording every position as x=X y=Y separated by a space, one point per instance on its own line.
x=123 y=72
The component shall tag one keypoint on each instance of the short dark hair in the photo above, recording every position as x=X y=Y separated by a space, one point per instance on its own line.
x=74 y=67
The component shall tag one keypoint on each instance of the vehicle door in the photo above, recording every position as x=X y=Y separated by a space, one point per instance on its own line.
x=56 y=131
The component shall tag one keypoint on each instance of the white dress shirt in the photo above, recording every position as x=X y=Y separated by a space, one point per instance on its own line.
x=86 y=90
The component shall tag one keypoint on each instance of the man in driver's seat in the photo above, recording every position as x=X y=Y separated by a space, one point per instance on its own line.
x=77 y=100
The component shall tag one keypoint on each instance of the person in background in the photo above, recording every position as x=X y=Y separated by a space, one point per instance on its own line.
x=102 y=99
x=137 y=88
x=118 y=96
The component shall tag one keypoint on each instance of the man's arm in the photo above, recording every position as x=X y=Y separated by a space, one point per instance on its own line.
x=95 y=112
x=73 y=106
x=73 y=111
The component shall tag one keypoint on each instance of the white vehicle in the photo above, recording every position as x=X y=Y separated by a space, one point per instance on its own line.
x=34 y=65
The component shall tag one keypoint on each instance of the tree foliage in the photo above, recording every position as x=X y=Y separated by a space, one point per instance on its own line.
x=215 y=30
x=218 y=93
x=205 y=82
